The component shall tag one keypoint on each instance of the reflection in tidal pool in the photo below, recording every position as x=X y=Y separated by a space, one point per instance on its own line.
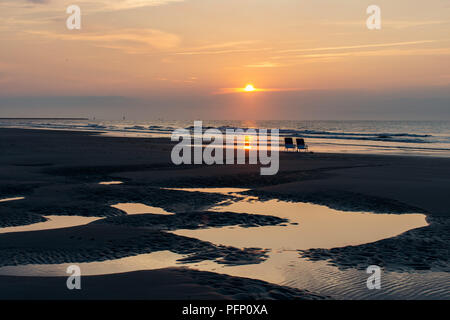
x=139 y=208
x=12 y=199
x=53 y=222
x=107 y=183
x=312 y=226
x=212 y=190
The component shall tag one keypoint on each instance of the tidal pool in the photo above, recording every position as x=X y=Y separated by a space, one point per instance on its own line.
x=309 y=226
x=53 y=222
x=139 y=208
x=108 y=183
x=149 y=261
x=12 y=199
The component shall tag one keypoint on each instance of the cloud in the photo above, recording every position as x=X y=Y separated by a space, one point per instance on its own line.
x=394 y=24
x=133 y=41
x=133 y=4
x=323 y=54
x=292 y=56
x=38 y=1
x=360 y=46
x=224 y=48
x=379 y=53
x=247 y=47
x=107 y=5
x=265 y=65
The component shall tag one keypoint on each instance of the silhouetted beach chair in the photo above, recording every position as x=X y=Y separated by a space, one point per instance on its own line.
x=289 y=144
x=301 y=145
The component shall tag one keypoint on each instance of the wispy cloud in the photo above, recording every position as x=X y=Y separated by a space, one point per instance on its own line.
x=391 y=52
x=129 y=40
x=224 y=48
x=248 y=46
x=328 y=54
x=133 y=4
x=265 y=65
x=189 y=80
x=360 y=46
x=291 y=56
x=38 y=1
x=100 y=5
x=394 y=24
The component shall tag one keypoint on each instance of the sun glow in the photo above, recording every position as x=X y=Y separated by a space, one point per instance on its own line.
x=249 y=88
x=247 y=145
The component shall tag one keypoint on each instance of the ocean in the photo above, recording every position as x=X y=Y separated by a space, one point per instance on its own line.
x=424 y=138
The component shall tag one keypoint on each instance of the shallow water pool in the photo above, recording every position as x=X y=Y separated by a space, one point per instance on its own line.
x=309 y=226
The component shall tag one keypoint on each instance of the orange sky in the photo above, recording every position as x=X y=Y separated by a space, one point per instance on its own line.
x=194 y=49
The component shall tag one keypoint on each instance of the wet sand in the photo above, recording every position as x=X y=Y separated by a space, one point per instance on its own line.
x=59 y=173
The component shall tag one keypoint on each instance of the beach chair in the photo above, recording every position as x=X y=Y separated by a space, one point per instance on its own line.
x=289 y=144
x=301 y=145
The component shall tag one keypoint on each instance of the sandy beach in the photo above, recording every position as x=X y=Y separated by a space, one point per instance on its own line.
x=58 y=173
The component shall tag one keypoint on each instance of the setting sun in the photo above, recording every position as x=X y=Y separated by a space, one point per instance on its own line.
x=249 y=88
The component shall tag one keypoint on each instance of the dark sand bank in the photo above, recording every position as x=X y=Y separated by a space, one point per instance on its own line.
x=11 y=217
x=194 y=220
x=163 y=284
x=58 y=174
x=98 y=242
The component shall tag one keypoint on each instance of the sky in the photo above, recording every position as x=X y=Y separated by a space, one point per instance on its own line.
x=189 y=59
